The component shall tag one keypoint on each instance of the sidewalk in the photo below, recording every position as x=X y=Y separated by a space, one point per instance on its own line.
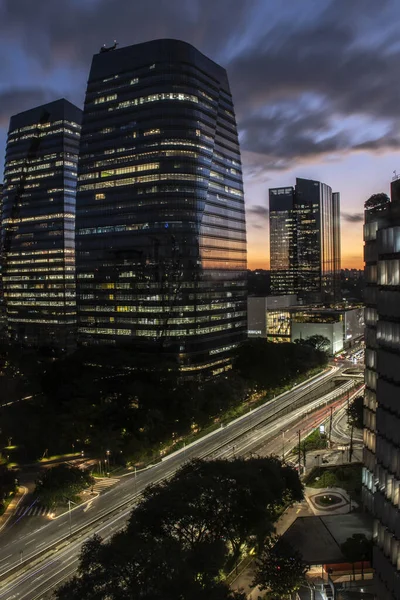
x=12 y=506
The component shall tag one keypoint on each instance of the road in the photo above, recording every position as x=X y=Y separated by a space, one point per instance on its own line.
x=109 y=512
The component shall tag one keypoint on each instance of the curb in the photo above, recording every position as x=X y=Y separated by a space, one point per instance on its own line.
x=12 y=506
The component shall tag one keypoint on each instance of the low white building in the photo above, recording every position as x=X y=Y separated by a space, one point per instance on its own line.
x=280 y=318
x=258 y=309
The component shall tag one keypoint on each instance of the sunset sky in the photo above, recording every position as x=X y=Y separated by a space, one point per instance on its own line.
x=315 y=84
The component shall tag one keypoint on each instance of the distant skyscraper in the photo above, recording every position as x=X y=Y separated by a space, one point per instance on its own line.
x=305 y=241
x=381 y=475
x=282 y=229
x=38 y=225
x=161 y=238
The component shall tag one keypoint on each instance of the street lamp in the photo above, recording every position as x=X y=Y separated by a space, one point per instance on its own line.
x=108 y=462
x=69 y=512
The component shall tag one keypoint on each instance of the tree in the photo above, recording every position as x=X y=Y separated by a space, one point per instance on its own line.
x=185 y=532
x=279 y=569
x=355 y=412
x=236 y=501
x=7 y=485
x=376 y=201
x=267 y=365
x=61 y=483
x=357 y=548
x=145 y=569
x=316 y=341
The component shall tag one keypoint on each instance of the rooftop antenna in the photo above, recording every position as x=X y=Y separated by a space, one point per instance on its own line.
x=105 y=48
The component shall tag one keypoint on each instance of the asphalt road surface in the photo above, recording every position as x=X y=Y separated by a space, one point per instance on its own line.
x=48 y=555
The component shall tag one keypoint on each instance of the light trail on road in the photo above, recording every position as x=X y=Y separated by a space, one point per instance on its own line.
x=112 y=508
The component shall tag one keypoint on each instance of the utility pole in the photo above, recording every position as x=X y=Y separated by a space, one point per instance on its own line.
x=70 y=518
x=299 y=432
x=283 y=445
x=351 y=444
x=330 y=427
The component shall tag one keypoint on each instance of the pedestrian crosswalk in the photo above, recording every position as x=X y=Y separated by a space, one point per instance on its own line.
x=27 y=510
x=103 y=483
x=35 y=510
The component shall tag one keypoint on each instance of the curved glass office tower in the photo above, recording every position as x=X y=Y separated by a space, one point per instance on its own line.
x=161 y=239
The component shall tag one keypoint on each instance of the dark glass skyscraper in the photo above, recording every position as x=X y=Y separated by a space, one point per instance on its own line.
x=161 y=239
x=381 y=474
x=38 y=223
x=282 y=234
x=305 y=241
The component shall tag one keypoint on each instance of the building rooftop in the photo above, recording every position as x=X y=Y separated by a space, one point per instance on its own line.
x=318 y=539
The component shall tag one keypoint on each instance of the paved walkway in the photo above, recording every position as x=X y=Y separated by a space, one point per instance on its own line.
x=8 y=513
x=344 y=506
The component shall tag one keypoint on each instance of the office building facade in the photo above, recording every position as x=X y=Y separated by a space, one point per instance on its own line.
x=305 y=241
x=3 y=326
x=38 y=223
x=381 y=473
x=161 y=239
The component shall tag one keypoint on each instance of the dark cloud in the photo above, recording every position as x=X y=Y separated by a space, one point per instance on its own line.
x=282 y=136
x=295 y=85
x=15 y=101
x=297 y=77
x=258 y=211
x=72 y=31
x=256 y=226
x=352 y=217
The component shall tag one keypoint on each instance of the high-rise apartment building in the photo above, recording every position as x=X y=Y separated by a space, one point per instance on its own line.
x=161 y=238
x=305 y=241
x=381 y=474
x=38 y=225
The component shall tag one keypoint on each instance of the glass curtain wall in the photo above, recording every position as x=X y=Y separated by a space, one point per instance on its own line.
x=161 y=238
x=38 y=225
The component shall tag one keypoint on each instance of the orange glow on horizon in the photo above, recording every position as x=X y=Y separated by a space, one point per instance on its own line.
x=349 y=261
x=352 y=245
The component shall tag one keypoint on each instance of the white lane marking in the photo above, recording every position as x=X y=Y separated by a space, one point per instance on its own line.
x=163 y=477
x=42 y=544
x=88 y=506
x=5 y=558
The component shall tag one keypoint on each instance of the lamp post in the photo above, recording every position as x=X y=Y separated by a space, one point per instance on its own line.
x=283 y=445
x=70 y=516
x=108 y=462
